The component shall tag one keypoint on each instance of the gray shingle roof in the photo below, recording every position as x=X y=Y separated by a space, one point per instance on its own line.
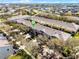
x=56 y=23
x=48 y=31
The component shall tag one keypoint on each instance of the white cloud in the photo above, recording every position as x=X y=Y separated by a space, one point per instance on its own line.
x=43 y=2
x=15 y=1
x=49 y=2
x=20 y=1
x=24 y=1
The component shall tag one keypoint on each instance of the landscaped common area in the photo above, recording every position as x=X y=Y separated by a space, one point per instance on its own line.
x=1 y=19
x=15 y=57
x=19 y=55
x=76 y=35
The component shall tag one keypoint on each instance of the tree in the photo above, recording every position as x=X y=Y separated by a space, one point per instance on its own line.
x=69 y=13
x=77 y=14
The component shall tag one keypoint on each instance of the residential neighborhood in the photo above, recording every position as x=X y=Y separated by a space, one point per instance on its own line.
x=39 y=31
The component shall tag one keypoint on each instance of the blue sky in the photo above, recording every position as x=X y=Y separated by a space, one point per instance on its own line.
x=39 y=1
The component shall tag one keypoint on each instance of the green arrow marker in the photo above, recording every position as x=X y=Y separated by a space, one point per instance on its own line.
x=33 y=23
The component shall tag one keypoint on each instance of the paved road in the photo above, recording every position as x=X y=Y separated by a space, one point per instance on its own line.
x=5 y=45
x=47 y=30
x=23 y=47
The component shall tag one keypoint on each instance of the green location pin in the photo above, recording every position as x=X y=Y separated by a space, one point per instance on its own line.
x=33 y=23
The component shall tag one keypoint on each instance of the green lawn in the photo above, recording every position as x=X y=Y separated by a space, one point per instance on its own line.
x=2 y=28
x=20 y=55
x=77 y=35
x=15 y=57
x=2 y=19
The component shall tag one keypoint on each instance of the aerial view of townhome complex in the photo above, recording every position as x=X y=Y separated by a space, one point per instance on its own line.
x=39 y=29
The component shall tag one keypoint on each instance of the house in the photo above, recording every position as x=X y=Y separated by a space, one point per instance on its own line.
x=48 y=31
x=69 y=27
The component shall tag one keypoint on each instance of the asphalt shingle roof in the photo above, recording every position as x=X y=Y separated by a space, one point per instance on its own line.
x=48 y=31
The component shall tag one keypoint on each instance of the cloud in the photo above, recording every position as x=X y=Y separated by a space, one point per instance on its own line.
x=24 y=1
x=48 y=1
x=15 y=1
x=39 y=1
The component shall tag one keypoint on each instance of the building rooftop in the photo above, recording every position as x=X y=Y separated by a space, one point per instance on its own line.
x=56 y=23
x=48 y=31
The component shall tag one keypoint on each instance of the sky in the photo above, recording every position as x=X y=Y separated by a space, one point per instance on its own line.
x=39 y=1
